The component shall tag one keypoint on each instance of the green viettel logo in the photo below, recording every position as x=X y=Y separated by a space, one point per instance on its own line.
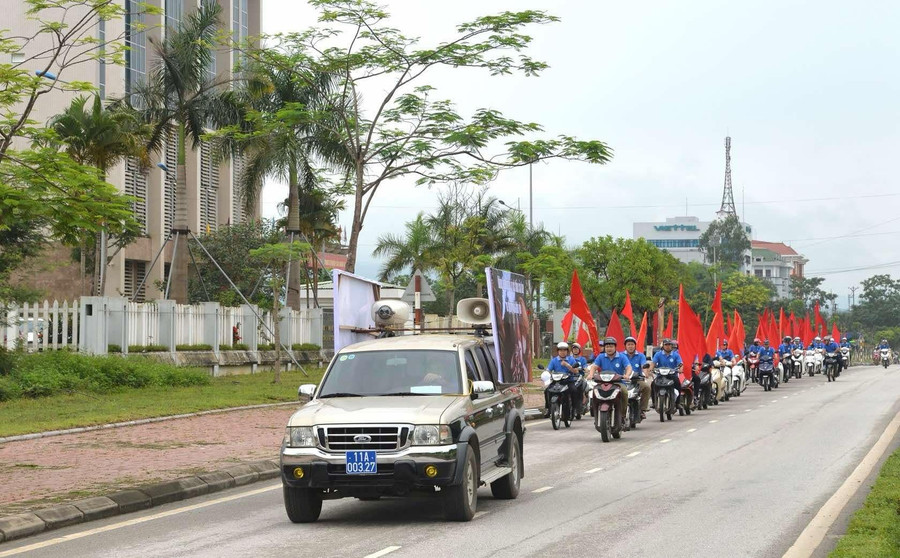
x=676 y=227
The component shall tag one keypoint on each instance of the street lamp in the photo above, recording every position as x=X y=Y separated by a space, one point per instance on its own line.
x=714 y=242
x=507 y=206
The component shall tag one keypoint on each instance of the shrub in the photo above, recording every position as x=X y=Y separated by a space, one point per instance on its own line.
x=196 y=347
x=240 y=347
x=111 y=348
x=147 y=349
x=265 y=347
x=305 y=347
x=7 y=362
x=9 y=389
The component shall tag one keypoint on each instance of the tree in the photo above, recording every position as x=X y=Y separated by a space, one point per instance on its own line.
x=408 y=252
x=880 y=302
x=275 y=258
x=44 y=194
x=405 y=132
x=747 y=294
x=229 y=246
x=180 y=100
x=100 y=138
x=807 y=290
x=729 y=239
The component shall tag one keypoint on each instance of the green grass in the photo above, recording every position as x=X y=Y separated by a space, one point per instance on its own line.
x=23 y=416
x=874 y=529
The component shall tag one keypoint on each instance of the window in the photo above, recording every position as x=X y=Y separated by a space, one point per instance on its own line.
x=240 y=27
x=171 y=182
x=174 y=13
x=135 y=271
x=388 y=372
x=136 y=41
x=471 y=370
x=101 y=78
x=17 y=57
x=757 y=272
x=136 y=187
x=491 y=370
x=768 y=273
x=209 y=189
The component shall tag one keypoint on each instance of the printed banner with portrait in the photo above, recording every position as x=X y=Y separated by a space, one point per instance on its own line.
x=511 y=324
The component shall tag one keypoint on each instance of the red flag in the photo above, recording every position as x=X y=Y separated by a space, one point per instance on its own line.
x=717 y=301
x=760 y=326
x=782 y=326
x=567 y=325
x=835 y=333
x=691 y=343
x=583 y=337
x=656 y=328
x=668 y=331
x=716 y=333
x=579 y=307
x=740 y=334
x=627 y=312
x=615 y=330
x=730 y=327
x=772 y=331
x=808 y=333
x=821 y=325
x=642 y=334
x=795 y=330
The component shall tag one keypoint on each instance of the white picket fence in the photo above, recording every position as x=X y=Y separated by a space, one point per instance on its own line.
x=94 y=323
x=44 y=326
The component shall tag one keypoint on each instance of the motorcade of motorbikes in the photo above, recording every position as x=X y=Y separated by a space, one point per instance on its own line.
x=885 y=357
x=665 y=391
x=607 y=419
x=766 y=372
x=845 y=359
x=727 y=371
x=832 y=364
x=809 y=362
x=797 y=362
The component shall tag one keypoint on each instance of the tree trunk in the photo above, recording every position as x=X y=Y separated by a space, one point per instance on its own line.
x=357 y=221
x=83 y=264
x=276 y=330
x=181 y=262
x=95 y=276
x=293 y=227
x=315 y=278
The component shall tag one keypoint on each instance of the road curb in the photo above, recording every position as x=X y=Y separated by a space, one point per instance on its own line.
x=25 y=524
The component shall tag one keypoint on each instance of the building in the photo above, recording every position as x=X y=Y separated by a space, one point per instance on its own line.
x=777 y=263
x=213 y=197
x=680 y=236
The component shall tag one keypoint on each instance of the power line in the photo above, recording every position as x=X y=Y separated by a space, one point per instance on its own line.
x=878 y=224
x=840 y=237
x=849 y=269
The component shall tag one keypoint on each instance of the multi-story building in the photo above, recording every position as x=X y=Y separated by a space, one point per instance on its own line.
x=777 y=263
x=213 y=196
x=680 y=236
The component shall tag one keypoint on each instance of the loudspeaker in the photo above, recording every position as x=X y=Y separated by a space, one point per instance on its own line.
x=390 y=313
x=475 y=311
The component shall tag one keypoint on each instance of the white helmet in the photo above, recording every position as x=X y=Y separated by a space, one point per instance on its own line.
x=817 y=338
x=562 y=345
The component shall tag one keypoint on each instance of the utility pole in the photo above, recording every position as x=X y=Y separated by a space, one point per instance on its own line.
x=530 y=198
x=852 y=296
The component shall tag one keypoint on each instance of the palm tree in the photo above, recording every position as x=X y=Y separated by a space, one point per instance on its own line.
x=181 y=100
x=277 y=145
x=101 y=138
x=412 y=251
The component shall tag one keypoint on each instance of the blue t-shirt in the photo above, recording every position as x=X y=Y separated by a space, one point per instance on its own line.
x=752 y=349
x=582 y=361
x=618 y=363
x=831 y=347
x=845 y=344
x=637 y=361
x=766 y=351
x=555 y=364
x=815 y=345
x=663 y=360
x=725 y=354
x=884 y=346
x=785 y=348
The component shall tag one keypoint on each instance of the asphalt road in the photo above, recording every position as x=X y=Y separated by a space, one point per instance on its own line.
x=741 y=479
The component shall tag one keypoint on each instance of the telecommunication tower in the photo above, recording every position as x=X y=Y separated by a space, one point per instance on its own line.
x=728 y=194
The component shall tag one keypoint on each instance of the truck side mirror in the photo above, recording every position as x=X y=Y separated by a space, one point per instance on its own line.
x=482 y=388
x=305 y=392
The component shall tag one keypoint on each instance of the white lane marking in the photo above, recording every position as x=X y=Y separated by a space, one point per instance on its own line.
x=632 y=454
x=479 y=514
x=136 y=521
x=713 y=420
x=784 y=396
x=595 y=470
x=666 y=441
x=774 y=401
x=541 y=489
x=732 y=415
x=385 y=551
x=747 y=410
x=811 y=537
x=692 y=429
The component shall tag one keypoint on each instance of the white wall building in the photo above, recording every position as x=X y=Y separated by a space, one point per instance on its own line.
x=680 y=236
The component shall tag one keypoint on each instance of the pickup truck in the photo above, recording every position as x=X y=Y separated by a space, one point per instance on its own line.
x=404 y=414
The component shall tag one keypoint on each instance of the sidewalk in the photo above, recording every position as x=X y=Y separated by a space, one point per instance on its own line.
x=46 y=471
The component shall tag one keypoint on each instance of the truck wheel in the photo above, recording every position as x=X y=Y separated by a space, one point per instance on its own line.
x=507 y=488
x=303 y=505
x=460 y=501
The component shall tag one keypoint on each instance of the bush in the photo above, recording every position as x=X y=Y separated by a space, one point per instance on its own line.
x=111 y=348
x=196 y=347
x=53 y=372
x=305 y=347
x=240 y=347
x=7 y=362
x=147 y=349
x=265 y=347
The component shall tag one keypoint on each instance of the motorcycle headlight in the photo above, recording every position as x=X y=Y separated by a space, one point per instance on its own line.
x=299 y=437
x=607 y=377
x=431 y=435
x=557 y=376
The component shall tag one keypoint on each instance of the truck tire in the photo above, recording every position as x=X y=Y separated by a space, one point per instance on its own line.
x=507 y=488
x=461 y=501
x=303 y=505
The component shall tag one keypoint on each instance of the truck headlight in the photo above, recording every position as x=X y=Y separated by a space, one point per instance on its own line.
x=431 y=435
x=299 y=437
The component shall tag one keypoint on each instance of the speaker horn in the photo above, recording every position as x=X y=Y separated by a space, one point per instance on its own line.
x=475 y=311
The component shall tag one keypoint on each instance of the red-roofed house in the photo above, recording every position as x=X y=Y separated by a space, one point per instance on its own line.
x=777 y=262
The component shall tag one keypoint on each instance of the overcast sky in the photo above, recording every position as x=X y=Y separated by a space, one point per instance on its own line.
x=808 y=91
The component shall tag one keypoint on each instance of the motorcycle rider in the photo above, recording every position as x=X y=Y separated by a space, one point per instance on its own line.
x=668 y=357
x=784 y=353
x=816 y=344
x=846 y=345
x=725 y=354
x=755 y=347
x=579 y=358
x=638 y=363
x=611 y=360
x=829 y=345
x=767 y=351
x=565 y=363
x=798 y=344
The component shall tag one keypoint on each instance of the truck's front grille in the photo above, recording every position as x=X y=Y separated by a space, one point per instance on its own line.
x=349 y=438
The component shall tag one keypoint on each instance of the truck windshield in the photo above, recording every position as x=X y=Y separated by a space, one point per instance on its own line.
x=401 y=372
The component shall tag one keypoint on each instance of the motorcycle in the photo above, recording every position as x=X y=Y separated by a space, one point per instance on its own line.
x=845 y=359
x=665 y=392
x=705 y=396
x=727 y=372
x=809 y=362
x=738 y=379
x=752 y=364
x=885 y=357
x=560 y=398
x=797 y=363
x=832 y=364
x=685 y=401
x=718 y=384
x=766 y=372
x=820 y=361
x=579 y=391
x=784 y=367
x=606 y=391
x=634 y=402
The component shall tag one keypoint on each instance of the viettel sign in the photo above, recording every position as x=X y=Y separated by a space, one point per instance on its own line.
x=676 y=228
